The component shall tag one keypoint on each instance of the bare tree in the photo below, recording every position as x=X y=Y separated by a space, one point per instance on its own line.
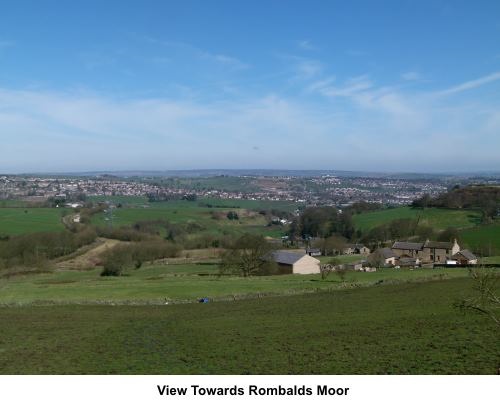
x=486 y=300
x=249 y=255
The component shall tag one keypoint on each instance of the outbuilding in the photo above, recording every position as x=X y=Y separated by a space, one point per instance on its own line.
x=295 y=262
x=465 y=257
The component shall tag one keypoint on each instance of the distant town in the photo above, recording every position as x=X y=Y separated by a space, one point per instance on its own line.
x=326 y=189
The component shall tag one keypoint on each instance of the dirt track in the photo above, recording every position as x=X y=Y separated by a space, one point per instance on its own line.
x=87 y=257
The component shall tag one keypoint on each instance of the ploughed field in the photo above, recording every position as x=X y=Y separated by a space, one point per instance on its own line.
x=409 y=328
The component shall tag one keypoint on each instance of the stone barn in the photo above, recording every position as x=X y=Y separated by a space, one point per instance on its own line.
x=295 y=263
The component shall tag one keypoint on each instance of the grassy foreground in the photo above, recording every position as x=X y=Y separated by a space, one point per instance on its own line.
x=187 y=283
x=403 y=329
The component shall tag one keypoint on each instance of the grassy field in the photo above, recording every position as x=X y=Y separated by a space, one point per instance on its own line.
x=187 y=283
x=436 y=217
x=15 y=221
x=288 y=206
x=395 y=329
x=484 y=239
x=186 y=211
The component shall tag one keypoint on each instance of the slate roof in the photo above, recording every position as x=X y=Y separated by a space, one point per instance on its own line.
x=284 y=257
x=438 y=245
x=354 y=245
x=408 y=245
x=467 y=254
x=408 y=260
x=387 y=253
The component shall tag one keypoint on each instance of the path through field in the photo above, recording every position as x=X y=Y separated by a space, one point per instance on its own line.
x=87 y=257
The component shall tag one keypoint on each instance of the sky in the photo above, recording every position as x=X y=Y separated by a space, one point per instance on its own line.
x=403 y=86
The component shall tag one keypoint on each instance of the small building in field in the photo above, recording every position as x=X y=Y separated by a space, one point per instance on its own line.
x=313 y=252
x=295 y=262
x=355 y=249
x=465 y=257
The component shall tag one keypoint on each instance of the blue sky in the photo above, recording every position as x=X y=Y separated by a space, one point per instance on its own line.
x=358 y=85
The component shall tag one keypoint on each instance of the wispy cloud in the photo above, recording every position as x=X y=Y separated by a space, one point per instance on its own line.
x=308 y=69
x=306 y=45
x=223 y=59
x=411 y=76
x=351 y=87
x=472 y=84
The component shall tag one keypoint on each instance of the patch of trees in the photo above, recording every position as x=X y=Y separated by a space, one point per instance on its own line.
x=484 y=198
x=162 y=196
x=232 y=216
x=131 y=256
x=407 y=229
x=36 y=248
x=333 y=245
x=363 y=206
x=249 y=255
x=398 y=229
x=322 y=222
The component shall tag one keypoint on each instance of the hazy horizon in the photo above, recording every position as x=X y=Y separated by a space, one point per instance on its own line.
x=407 y=87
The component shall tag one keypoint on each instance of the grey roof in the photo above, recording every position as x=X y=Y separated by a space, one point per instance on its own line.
x=438 y=245
x=408 y=260
x=408 y=245
x=354 y=245
x=387 y=253
x=285 y=257
x=467 y=254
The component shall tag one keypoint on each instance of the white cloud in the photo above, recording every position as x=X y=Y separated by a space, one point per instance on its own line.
x=352 y=87
x=361 y=126
x=472 y=84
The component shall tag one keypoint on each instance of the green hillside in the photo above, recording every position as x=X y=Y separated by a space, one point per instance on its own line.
x=438 y=218
x=485 y=239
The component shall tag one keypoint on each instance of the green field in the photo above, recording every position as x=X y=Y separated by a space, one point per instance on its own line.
x=181 y=211
x=485 y=239
x=438 y=218
x=395 y=329
x=187 y=283
x=16 y=221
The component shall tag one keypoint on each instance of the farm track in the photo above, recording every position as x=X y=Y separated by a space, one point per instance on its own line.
x=87 y=257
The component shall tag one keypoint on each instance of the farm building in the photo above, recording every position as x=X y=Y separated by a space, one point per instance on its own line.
x=465 y=257
x=428 y=252
x=295 y=263
x=313 y=252
x=355 y=249
x=388 y=256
